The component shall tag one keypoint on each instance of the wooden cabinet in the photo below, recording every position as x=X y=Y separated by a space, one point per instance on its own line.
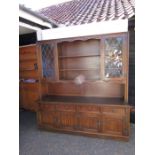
x=96 y=119
x=28 y=77
x=97 y=104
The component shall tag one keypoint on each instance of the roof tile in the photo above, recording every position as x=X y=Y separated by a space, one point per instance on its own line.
x=77 y=12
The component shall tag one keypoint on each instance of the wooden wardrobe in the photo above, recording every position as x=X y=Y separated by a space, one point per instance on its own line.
x=28 y=77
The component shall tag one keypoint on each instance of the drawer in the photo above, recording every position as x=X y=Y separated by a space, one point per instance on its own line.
x=88 y=108
x=65 y=107
x=113 y=110
x=48 y=107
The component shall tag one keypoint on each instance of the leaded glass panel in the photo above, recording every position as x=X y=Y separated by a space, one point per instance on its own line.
x=113 y=57
x=47 y=60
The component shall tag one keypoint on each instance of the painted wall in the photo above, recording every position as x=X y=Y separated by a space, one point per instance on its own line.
x=105 y=27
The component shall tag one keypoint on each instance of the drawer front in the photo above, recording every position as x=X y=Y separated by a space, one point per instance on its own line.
x=113 y=110
x=48 y=107
x=89 y=108
x=65 y=107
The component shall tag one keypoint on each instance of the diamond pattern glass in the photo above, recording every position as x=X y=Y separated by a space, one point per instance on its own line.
x=113 y=57
x=47 y=60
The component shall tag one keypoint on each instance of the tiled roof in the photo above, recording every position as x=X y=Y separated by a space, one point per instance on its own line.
x=78 y=12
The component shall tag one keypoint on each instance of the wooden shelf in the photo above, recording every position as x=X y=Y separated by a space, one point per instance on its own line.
x=78 y=56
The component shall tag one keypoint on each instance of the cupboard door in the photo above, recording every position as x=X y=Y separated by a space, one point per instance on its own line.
x=115 y=53
x=67 y=120
x=88 y=122
x=48 y=118
x=112 y=125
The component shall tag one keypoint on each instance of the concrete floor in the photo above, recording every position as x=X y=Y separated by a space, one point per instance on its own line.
x=36 y=142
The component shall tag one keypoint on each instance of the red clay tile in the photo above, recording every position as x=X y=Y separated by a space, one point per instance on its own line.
x=78 y=12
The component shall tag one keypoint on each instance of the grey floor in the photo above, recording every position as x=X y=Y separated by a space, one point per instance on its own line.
x=36 y=142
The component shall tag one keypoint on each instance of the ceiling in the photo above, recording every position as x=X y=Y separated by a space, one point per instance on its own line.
x=24 y=30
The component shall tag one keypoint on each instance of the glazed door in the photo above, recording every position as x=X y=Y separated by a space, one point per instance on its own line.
x=115 y=57
x=47 y=60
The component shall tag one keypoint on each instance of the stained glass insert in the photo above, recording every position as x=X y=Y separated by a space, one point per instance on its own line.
x=113 y=57
x=47 y=60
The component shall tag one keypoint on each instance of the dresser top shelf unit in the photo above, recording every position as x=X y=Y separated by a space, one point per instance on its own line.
x=98 y=58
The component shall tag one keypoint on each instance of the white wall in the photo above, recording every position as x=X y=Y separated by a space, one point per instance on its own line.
x=85 y=30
